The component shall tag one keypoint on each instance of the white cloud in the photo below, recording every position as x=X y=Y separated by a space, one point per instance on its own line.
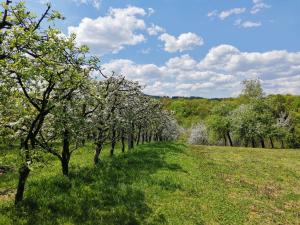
x=258 y=6
x=94 y=3
x=247 y=24
x=224 y=14
x=150 y=11
x=154 y=30
x=212 y=13
x=218 y=74
x=185 y=41
x=112 y=32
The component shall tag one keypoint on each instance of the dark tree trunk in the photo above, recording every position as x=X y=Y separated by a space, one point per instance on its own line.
x=138 y=136
x=99 y=145
x=131 y=137
x=32 y=142
x=65 y=166
x=225 y=140
x=113 y=141
x=253 y=142
x=262 y=142
x=97 y=152
x=282 y=144
x=229 y=138
x=66 y=152
x=129 y=141
x=148 y=137
x=23 y=175
x=143 y=138
x=24 y=170
x=123 y=143
x=21 y=143
x=271 y=142
x=160 y=138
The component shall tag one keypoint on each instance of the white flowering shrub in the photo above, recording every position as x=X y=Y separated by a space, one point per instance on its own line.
x=199 y=134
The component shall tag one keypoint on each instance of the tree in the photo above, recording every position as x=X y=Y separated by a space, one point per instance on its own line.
x=220 y=122
x=44 y=67
x=252 y=89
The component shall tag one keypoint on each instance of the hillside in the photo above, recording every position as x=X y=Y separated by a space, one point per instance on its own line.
x=160 y=183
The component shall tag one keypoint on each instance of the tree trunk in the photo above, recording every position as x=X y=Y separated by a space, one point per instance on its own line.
x=271 y=142
x=65 y=166
x=23 y=175
x=262 y=142
x=143 y=138
x=131 y=137
x=123 y=143
x=229 y=138
x=24 y=171
x=253 y=142
x=97 y=152
x=225 y=140
x=129 y=141
x=138 y=136
x=113 y=141
x=66 y=152
x=282 y=144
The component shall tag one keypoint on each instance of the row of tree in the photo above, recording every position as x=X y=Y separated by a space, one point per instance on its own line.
x=260 y=121
x=54 y=96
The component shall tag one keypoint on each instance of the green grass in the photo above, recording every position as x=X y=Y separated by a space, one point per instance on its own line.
x=161 y=183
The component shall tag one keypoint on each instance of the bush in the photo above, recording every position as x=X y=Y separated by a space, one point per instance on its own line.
x=199 y=134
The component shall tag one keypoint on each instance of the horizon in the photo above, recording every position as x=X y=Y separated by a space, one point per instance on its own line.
x=206 y=51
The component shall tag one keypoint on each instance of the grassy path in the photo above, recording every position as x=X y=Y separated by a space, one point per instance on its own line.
x=165 y=183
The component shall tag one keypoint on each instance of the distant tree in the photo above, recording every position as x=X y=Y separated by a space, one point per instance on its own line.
x=252 y=89
x=220 y=122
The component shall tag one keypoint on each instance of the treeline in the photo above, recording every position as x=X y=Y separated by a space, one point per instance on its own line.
x=255 y=120
x=54 y=96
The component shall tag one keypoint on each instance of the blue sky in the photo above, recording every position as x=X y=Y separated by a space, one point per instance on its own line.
x=195 y=47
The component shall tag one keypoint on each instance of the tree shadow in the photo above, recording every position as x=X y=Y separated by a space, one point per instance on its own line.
x=106 y=194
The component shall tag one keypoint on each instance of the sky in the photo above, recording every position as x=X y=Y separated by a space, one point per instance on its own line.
x=200 y=48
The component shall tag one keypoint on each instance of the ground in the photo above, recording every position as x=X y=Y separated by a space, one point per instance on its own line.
x=159 y=183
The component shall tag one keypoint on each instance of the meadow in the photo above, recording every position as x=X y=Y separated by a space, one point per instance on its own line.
x=159 y=183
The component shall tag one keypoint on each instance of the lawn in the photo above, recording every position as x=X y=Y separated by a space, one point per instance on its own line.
x=160 y=183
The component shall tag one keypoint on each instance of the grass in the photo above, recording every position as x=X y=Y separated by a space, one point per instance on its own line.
x=161 y=183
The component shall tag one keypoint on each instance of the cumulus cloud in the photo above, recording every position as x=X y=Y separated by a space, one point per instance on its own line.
x=224 y=14
x=218 y=74
x=154 y=30
x=112 y=32
x=185 y=41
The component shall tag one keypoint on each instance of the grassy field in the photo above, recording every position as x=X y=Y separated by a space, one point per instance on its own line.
x=161 y=183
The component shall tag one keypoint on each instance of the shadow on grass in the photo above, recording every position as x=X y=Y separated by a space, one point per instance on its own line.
x=111 y=193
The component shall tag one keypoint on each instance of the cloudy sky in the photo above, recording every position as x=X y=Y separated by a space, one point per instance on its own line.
x=193 y=47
